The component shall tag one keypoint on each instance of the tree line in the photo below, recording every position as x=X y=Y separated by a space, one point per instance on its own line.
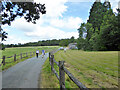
x=101 y=32
x=53 y=42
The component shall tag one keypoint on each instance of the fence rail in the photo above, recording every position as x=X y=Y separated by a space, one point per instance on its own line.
x=15 y=57
x=62 y=71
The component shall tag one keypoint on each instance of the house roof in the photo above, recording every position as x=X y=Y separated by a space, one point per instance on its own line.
x=73 y=44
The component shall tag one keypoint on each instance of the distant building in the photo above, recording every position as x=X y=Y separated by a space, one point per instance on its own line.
x=72 y=46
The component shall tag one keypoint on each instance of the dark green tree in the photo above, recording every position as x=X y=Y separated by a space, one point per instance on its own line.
x=107 y=5
x=64 y=42
x=110 y=32
x=102 y=28
x=72 y=40
x=96 y=14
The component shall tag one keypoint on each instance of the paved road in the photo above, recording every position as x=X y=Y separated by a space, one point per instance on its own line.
x=24 y=74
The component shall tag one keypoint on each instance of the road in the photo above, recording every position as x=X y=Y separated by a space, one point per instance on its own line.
x=24 y=74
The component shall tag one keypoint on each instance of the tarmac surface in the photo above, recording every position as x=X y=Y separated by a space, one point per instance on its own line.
x=24 y=74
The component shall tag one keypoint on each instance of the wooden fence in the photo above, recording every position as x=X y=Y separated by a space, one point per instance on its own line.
x=62 y=71
x=15 y=57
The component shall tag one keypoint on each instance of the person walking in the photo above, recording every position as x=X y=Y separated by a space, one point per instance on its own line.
x=37 y=52
x=64 y=49
x=43 y=53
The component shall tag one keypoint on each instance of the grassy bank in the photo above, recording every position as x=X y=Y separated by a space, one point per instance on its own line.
x=93 y=69
x=18 y=50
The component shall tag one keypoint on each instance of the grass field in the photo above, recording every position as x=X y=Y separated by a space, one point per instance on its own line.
x=18 y=50
x=93 y=69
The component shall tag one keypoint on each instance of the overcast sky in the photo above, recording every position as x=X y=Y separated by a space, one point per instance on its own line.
x=62 y=19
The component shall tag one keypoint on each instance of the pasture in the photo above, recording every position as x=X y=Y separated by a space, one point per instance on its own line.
x=18 y=50
x=96 y=69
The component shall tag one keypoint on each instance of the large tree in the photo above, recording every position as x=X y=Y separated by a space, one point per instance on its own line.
x=10 y=10
x=110 y=32
x=97 y=13
x=102 y=28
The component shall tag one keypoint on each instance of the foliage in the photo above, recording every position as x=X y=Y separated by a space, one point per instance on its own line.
x=102 y=29
x=65 y=42
x=54 y=42
x=10 y=10
x=30 y=10
x=3 y=34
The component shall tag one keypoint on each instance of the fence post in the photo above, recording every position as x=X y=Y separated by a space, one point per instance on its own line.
x=61 y=75
x=21 y=56
x=15 y=57
x=3 y=60
x=52 y=63
x=49 y=56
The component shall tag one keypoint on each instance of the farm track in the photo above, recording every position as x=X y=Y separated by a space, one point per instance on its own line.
x=24 y=74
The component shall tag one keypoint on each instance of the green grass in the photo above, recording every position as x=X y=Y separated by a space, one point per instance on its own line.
x=48 y=77
x=93 y=69
x=18 y=50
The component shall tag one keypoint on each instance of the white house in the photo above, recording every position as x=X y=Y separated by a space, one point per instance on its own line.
x=72 y=46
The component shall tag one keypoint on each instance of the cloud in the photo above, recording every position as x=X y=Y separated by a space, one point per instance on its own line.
x=52 y=25
x=51 y=30
x=44 y=33
x=14 y=40
x=23 y=25
x=69 y=23
x=114 y=5
x=54 y=8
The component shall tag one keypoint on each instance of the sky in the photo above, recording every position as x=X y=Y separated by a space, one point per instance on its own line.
x=62 y=19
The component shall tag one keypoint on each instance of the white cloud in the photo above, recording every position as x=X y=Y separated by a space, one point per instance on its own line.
x=114 y=5
x=54 y=8
x=52 y=31
x=48 y=26
x=14 y=40
x=70 y=22
x=21 y=24
x=44 y=33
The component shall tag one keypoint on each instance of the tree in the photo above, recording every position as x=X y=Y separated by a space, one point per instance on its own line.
x=107 y=5
x=29 y=10
x=81 y=30
x=109 y=32
x=84 y=43
x=102 y=28
x=96 y=14
x=3 y=34
x=81 y=43
x=72 y=40
x=93 y=42
x=64 y=42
